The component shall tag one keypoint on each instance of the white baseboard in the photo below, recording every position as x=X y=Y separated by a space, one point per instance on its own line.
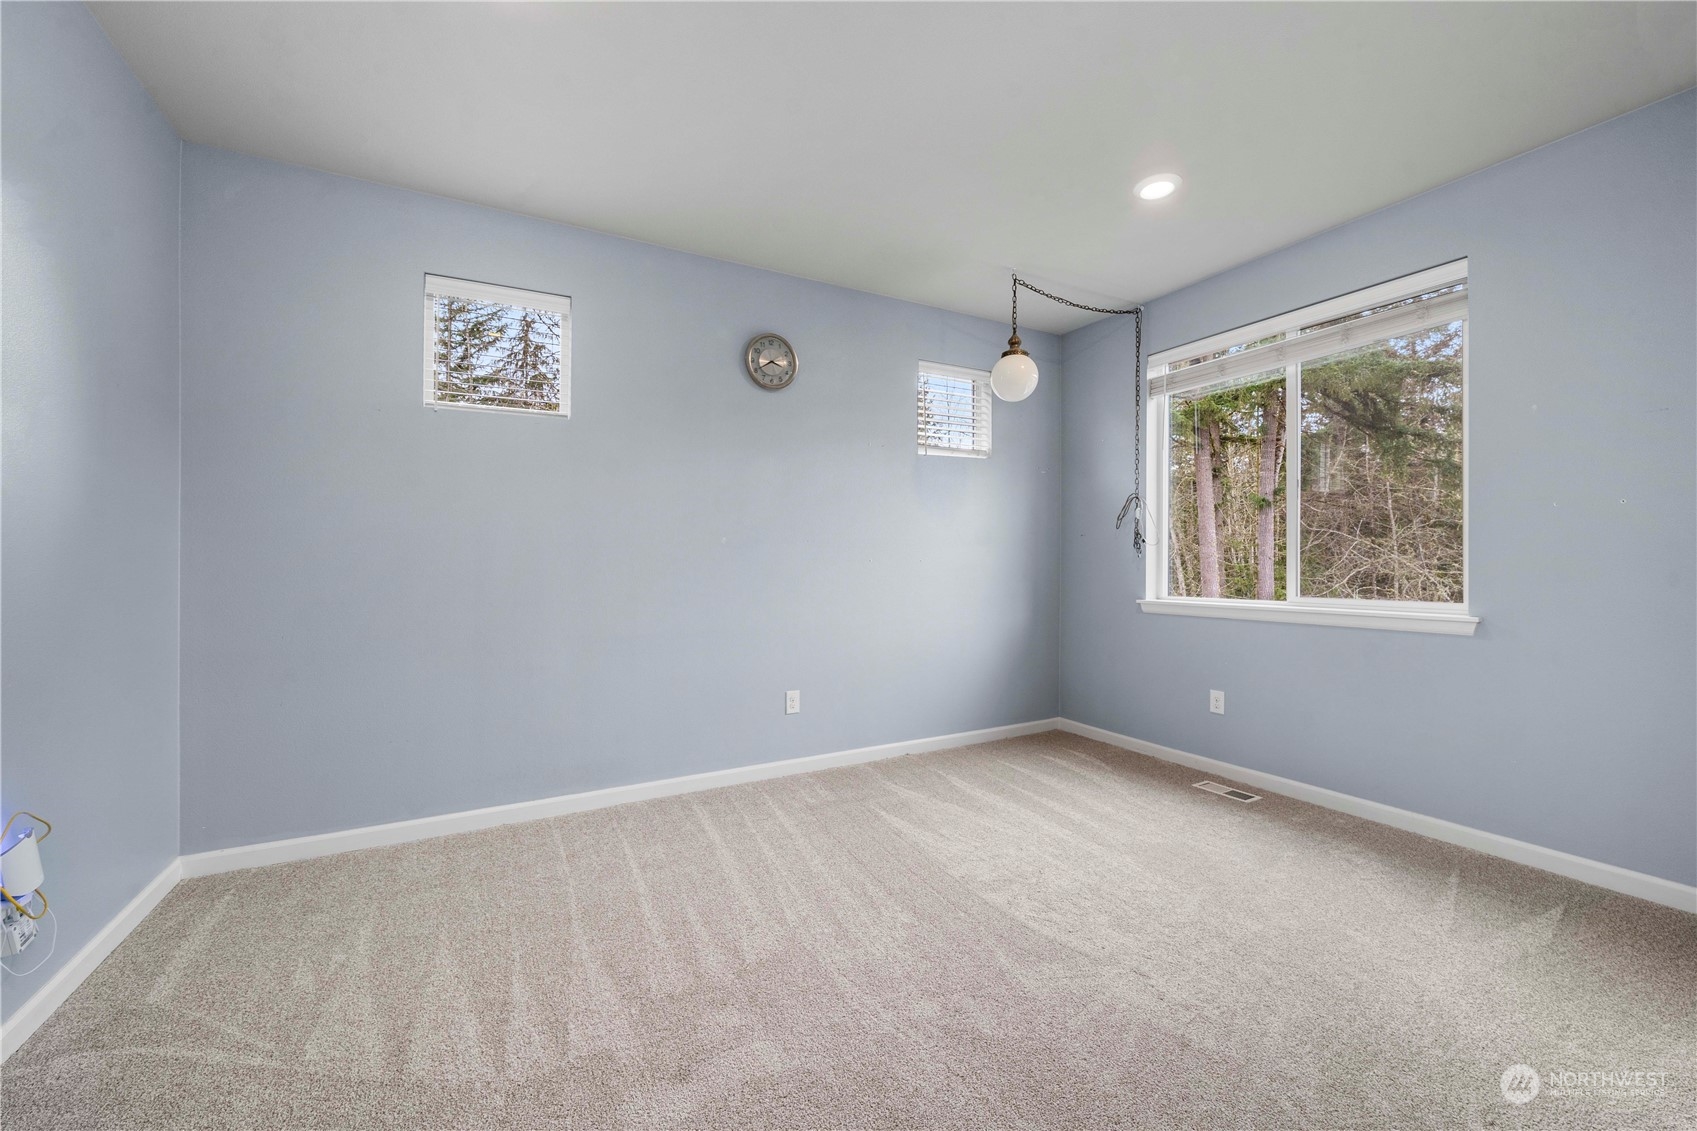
x=1624 y=880
x=44 y=1001
x=29 y=1016
x=41 y=1005
x=399 y=832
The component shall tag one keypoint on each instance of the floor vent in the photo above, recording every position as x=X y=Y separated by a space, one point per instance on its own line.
x=1227 y=791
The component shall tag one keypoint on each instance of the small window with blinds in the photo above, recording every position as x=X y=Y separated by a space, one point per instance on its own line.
x=1315 y=462
x=496 y=348
x=953 y=411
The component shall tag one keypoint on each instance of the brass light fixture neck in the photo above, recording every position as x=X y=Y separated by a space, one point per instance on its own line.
x=1013 y=348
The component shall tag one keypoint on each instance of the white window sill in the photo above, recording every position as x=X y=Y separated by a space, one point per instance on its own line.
x=1394 y=620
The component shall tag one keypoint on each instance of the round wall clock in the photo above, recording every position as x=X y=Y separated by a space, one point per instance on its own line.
x=771 y=361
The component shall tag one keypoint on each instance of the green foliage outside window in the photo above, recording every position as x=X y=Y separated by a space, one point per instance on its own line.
x=1380 y=509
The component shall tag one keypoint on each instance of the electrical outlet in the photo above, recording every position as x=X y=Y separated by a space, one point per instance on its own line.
x=1217 y=702
x=792 y=702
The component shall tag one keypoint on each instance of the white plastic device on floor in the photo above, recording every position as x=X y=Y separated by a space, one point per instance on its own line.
x=22 y=902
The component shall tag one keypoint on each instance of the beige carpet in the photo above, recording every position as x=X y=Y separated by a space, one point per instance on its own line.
x=1041 y=932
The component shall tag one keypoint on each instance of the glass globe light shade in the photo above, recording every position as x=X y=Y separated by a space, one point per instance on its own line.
x=1014 y=376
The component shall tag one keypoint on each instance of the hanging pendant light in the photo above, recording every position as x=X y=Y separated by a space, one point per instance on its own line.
x=1015 y=375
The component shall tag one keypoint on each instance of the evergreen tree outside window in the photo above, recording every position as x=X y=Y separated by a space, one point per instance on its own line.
x=1312 y=467
x=499 y=348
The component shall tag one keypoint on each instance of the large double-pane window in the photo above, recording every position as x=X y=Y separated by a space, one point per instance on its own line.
x=1312 y=467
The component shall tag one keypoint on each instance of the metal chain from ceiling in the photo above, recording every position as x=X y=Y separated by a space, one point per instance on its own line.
x=1133 y=507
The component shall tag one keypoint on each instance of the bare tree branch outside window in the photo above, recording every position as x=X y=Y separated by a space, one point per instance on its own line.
x=496 y=355
x=1381 y=492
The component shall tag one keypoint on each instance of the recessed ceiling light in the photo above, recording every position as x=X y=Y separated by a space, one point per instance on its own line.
x=1158 y=186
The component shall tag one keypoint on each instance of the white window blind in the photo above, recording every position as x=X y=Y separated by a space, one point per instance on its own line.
x=953 y=410
x=496 y=348
x=1433 y=298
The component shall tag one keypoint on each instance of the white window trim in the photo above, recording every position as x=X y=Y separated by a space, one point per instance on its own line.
x=1396 y=616
x=1376 y=614
x=981 y=384
x=435 y=285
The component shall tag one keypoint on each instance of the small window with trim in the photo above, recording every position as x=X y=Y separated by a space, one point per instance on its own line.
x=1312 y=467
x=496 y=348
x=953 y=410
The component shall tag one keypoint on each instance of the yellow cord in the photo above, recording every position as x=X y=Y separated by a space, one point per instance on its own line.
x=22 y=910
x=27 y=813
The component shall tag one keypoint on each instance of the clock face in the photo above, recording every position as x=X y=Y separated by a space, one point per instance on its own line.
x=771 y=361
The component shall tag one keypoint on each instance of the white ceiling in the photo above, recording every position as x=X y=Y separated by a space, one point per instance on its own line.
x=913 y=150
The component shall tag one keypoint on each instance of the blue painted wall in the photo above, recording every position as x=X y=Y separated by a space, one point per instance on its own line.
x=392 y=611
x=1568 y=720
x=88 y=570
